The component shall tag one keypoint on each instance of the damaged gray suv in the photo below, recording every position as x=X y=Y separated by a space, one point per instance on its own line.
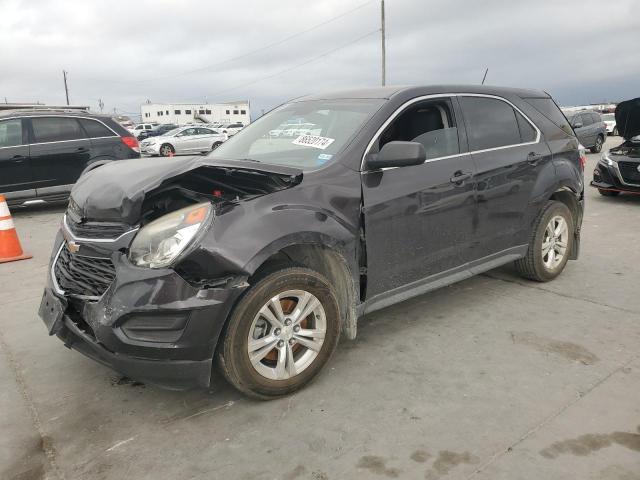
x=256 y=258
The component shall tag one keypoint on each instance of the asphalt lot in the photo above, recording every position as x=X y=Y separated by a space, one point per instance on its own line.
x=492 y=378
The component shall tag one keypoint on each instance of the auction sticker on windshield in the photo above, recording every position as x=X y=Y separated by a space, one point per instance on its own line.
x=313 y=141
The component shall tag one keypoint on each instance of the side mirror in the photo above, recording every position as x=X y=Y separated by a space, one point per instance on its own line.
x=577 y=125
x=398 y=154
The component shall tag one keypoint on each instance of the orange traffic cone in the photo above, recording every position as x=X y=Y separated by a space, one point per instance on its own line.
x=10 y=249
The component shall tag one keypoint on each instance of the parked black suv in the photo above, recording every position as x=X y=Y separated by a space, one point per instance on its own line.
x=259 y=255
x=619 y=168
x=43 y=152
x=590 y=129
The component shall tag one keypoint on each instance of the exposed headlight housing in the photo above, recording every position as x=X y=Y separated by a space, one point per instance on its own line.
x=159 y=243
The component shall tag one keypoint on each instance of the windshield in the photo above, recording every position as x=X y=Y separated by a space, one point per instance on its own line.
x=302 y=134
x=608 y=116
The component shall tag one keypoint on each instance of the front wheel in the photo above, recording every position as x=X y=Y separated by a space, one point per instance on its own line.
x=550 y=244
x=597 y=148
x=167 y=150
x=281 y=333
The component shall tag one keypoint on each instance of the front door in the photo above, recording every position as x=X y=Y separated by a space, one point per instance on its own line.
x=186 y=141
x=15 y=171
x=509 y=153
x=419 y=220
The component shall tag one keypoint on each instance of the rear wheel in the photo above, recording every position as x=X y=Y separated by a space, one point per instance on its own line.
x=216 y=145
x=608 y=193
x=281 y=333
x=615 y=131
x=166 y=150
x=597 y=148
x=550 y=244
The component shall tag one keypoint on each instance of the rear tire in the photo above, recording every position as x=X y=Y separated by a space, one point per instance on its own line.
x=608 y=193
x=215 y=145
x=597 y=148
x=547 y=253
x=266 y=353
x=615 y=131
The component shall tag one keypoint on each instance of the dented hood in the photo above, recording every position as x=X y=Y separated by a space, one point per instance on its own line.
x=115 y=192
x=628 y=118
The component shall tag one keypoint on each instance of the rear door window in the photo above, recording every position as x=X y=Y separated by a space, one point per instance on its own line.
x=586 y=119
x=95 y=129
x=596 y=118
x=56 y=129
x=527 y=132
x=11 y=133
x=491 y=123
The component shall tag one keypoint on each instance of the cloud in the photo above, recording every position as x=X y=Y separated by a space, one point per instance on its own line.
x=126 y=52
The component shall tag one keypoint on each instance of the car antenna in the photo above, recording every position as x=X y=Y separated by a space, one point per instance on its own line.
x=485 y=75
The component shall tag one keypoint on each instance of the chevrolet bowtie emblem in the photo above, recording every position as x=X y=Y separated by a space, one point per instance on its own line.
x=73 y=246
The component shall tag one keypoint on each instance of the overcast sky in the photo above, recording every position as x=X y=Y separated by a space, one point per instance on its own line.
x=580 y=51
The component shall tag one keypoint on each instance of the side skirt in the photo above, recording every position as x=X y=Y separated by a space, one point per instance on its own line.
x=441 y=279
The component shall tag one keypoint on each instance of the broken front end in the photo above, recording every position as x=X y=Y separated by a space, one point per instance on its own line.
x=136 y=281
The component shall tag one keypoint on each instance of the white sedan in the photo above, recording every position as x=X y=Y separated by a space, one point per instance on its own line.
x=189 y=139
x=609 y=120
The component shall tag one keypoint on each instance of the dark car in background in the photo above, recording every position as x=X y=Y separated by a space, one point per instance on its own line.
x=44 y=152
x=590 y=129
x=619 y=168
x=257 y=256
x=156 y=132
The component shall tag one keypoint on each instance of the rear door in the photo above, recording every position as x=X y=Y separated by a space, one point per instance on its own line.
x=419 y=220
x=105 y=143
x=509 y=153
x=59 y=153
x=15 y=171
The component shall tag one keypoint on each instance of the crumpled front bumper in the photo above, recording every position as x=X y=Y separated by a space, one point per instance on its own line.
x=150 y=324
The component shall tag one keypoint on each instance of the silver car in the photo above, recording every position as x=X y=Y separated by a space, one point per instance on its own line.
x=188 y=139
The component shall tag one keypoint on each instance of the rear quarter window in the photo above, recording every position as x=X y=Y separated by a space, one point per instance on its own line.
x=95 y=129
x=548 y=108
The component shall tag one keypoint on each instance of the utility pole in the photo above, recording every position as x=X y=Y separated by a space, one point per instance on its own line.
x=485 y=75
x=100 y=104
x=66 y=89
x=384 y=46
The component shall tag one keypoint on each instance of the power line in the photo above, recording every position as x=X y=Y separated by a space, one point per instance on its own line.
x=252 y=52
x=313 y=59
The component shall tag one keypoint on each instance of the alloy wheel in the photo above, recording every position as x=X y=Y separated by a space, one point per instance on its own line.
x=286 y=334
x=555 y=242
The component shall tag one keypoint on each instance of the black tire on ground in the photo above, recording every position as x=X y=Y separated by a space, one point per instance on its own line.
x=166 y=150
x=216 y=145
x=608 y=193
x=597 y=148
x=615 y=131
x=232 y=352
x=532 y=265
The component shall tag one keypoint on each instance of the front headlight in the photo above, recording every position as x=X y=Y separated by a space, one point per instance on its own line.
x=606 y=159
x=160 y=242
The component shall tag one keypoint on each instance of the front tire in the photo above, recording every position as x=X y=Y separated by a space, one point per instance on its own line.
x=280 y=334
x=550 y=244
x=597 y=148
x=167 y=150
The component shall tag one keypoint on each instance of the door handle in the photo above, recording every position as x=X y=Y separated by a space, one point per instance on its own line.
x=533 y=158
x=459 y=177
x=18 y=158
x=83 y=149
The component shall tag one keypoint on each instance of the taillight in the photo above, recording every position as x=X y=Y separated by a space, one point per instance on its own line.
x=583 y=159
x=132 y=143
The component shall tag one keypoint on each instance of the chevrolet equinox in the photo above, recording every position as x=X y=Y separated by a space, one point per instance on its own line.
x=257 y=257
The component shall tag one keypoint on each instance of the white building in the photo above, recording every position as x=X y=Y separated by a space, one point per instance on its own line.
x=181 y=113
